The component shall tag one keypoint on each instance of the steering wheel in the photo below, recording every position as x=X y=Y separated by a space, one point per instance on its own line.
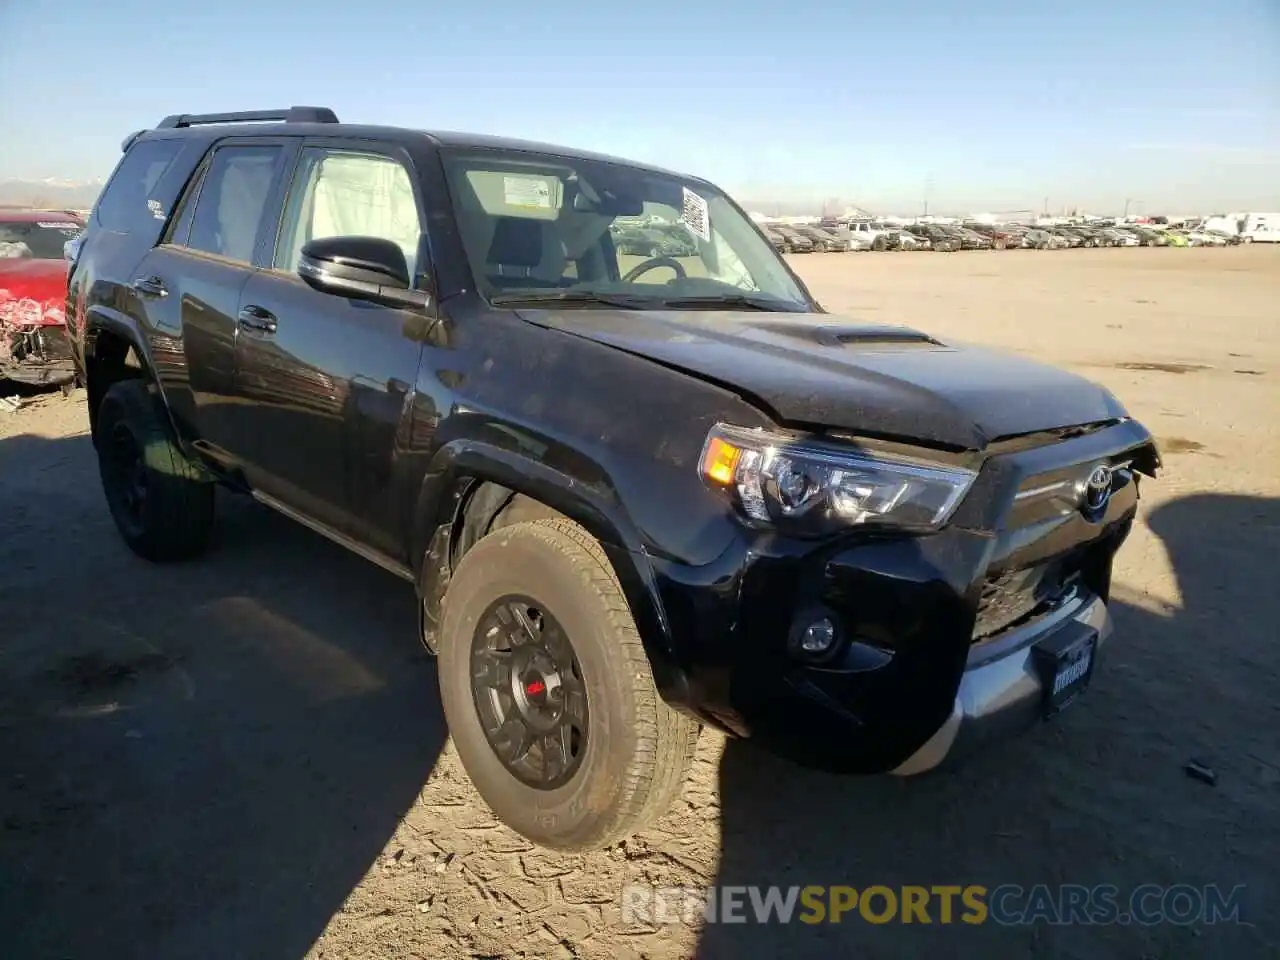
x=653 y=263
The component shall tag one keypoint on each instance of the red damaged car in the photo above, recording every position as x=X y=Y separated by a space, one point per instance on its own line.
x=33 y=295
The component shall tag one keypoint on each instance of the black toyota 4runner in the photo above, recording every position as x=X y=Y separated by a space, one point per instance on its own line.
x=635 y=495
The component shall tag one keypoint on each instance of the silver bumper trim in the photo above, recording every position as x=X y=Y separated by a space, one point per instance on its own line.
x=1000 y=688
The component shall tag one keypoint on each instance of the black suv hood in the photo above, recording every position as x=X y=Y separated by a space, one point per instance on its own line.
x=822 y=370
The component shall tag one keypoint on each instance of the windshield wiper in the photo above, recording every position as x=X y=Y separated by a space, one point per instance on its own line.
x=734 y=301
x=535 y=297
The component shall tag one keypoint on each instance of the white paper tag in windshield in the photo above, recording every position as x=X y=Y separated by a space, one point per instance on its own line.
x=695 y=215
x=57 y=225
x=526 y=192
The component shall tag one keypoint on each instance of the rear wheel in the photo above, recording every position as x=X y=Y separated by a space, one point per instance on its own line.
x=161 y=502
x=548 y=691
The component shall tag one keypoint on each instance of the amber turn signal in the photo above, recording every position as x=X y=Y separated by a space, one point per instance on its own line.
x=720 y=461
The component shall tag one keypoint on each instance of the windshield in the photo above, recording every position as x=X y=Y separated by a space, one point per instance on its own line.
x=36 y=240
x=540 y=226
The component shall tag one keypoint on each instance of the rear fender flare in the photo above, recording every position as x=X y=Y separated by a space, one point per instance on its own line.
x=99 y=320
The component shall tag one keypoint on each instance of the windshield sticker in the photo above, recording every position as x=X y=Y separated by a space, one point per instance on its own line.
x=57 y=225
x=156 y=209
x=526 y=192
x=695 y=215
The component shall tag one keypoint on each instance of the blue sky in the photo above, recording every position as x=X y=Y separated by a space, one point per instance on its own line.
x=985 y=104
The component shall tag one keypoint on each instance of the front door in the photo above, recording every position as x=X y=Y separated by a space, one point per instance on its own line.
x=323 y=379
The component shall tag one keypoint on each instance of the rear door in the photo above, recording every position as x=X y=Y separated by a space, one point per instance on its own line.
x=324 y=381
x=192 y=279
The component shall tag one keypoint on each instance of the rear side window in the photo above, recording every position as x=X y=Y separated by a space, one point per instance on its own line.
x=123 y=204
x=233 y=201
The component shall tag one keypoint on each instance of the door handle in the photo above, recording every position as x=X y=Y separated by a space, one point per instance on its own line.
x=149 y=287
x=253 y=317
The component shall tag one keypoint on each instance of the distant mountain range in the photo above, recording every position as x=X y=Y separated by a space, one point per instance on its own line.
x=51 y=192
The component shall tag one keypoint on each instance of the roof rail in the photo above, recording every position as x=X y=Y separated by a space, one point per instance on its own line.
x=290 y=115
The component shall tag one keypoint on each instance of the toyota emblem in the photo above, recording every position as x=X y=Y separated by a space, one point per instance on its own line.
x=1097 y=489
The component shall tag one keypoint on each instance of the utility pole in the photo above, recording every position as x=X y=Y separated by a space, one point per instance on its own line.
x=928 y=188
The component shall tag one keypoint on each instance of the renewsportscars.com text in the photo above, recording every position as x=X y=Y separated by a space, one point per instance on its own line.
x=1007 y=904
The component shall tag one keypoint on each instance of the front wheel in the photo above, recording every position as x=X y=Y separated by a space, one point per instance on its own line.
x=161 y=502
x=548 y=691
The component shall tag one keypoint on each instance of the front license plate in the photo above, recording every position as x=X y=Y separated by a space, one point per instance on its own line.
x=1066 y=666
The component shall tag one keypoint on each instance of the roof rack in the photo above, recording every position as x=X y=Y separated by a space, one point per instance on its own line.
x=290 y=115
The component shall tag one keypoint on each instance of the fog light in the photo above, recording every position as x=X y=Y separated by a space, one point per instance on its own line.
x=818 y=637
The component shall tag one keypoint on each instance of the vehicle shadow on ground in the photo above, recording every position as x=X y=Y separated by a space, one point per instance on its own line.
x=1097 y=796
x=199 y=759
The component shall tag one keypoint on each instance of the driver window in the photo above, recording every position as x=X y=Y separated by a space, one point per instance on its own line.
x=342 y=193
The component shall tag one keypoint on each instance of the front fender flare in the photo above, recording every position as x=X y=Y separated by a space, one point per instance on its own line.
x=459 y=466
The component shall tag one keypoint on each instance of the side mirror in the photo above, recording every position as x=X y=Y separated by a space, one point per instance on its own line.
x=362 y=268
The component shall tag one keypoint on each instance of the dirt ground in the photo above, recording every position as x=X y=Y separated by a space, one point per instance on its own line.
x=245 y=756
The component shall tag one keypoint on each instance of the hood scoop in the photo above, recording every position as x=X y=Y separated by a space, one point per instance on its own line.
x=849 y=334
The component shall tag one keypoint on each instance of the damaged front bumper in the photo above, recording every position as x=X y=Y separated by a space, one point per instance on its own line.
x=38 y=355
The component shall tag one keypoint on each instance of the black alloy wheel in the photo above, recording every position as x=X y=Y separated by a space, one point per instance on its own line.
x=128 y=486
x=528 y=690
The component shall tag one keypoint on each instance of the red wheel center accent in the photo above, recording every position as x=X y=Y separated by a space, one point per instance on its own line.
x=535 y=687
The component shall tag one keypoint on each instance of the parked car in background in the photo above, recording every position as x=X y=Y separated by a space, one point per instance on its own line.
x=633 y=239
x=653 y=239
x=824 y=240
x=778 y=240
x=876 y=234
x=1175 y=239
x=1260 y=228
x=33 y=296
x=939 y=239
x=1096 y=236
x=1149 y=237
x=1061 y=241
x=1038 y=239
x=970 y=239
x=1001 y=236
x=1206 y=238
x=796 y=242
x=912 y=241
x=1122 y=237
x=1072 y=238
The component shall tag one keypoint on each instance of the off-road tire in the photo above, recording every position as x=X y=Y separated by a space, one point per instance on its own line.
x=637 y=750
x=175 y=519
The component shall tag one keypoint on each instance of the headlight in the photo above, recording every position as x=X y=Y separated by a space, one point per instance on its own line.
x=810 y=487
